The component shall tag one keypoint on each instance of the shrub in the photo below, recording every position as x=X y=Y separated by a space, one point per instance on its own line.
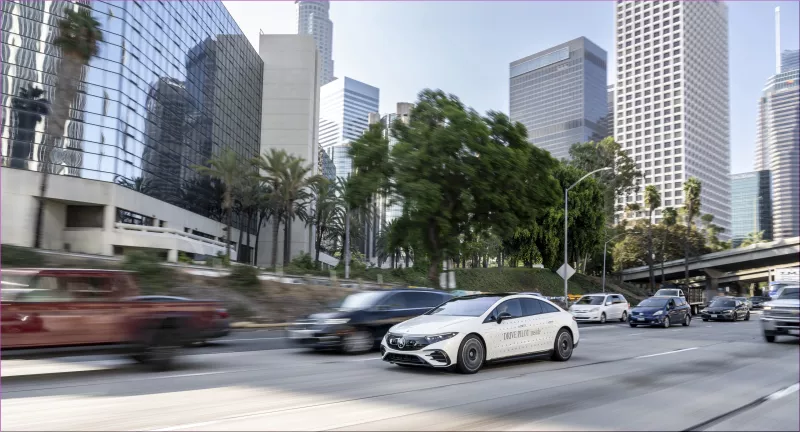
x=153 y=277
x=183 y=258
x=15 y=256
x=303 y=261
x=244 y=278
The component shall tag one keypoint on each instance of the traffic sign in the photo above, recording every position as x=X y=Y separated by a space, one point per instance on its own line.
x=570 y=271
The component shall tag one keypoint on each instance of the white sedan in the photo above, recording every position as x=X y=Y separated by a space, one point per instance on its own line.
x=466 y=332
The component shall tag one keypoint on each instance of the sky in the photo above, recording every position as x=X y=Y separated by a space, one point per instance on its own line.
x=464 y=48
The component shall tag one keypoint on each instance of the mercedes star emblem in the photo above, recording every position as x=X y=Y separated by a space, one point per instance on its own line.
x=401 y=342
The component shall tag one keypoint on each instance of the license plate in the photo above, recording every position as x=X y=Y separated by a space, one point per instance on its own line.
x=639 y=319
x=713 y=316
x=300 y=334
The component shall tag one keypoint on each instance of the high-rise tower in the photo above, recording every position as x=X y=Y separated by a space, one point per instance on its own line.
x=312 y=19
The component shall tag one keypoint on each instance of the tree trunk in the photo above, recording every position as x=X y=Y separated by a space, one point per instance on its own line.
x=287 y=241
x=258 y=237
x=241 y=234
x=686 y=245
x=408 y=257
x=650 y=252
x=663 y=258
x=249 y=220
x=318 y=246
x=69 y=70
x=275 y=231
x=228 y=231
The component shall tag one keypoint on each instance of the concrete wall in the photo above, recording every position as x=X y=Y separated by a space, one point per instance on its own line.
x=289 y=119
x=18 y=212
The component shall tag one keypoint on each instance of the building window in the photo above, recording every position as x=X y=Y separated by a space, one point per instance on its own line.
x=129 y=217
x=80 y=216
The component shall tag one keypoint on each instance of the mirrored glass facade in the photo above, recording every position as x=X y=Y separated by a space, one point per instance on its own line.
x=560 y=95
x=174 y=82
x=752 y=205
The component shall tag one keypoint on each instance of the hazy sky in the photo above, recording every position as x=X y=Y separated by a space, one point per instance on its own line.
x=464 y=48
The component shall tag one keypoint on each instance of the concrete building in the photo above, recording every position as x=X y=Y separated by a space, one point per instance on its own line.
x=141 y=122
x=672 y=104
x=778 y=149
x=751 y=202
x=289 y=120
x=345 y=106
x=312 y=19
x=560 y=95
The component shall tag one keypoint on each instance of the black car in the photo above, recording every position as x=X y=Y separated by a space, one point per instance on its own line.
x=359 y=323
x=725 y=309
x=758 y=301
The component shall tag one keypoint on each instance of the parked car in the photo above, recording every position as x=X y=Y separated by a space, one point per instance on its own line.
x=220 y=324
x=469 y=331
x=600 y=307
x=361 y=320
x=758 y=301
x=782 y=315
x=725 y=309
x=49 y=312
x=661 y=311
x=746 y=302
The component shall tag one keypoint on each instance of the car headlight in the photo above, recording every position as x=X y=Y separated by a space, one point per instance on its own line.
x=661 y=312
x=728 y=311
x=594 y=309
x=432 y=339
x=704 y=311
x=336 y=321
x=767 y=307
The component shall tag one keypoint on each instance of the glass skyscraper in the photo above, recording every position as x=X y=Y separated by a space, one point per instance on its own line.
x=345 y=106
x=752 y=205
x=790 y=59
x=173 y=84
x=560 y=95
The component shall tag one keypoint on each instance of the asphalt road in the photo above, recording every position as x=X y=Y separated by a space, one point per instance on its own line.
x=709 y=376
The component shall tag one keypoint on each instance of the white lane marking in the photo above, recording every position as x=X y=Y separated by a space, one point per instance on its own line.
x=665 y=353
x=634 y=334
x=785 y=392
x=253 y=339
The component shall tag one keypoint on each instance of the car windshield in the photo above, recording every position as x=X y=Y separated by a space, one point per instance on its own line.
x=653 y=302
x=723 y=303
x=466 y=306
x=790 y=293
x=362 y=300
x=590 y=300
x=13 y=285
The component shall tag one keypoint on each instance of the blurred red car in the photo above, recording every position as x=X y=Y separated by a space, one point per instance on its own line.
x=220 y=325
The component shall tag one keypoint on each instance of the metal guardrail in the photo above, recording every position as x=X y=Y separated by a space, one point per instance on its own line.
x=172 y=231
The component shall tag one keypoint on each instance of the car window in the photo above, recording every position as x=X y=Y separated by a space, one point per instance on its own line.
x=531 y=307
x=465 y=306
x=591 y=300
x=43 y=289
x=397 y=301
x=618 y=299
x=790 y=293
x=421 y=300
x=513 y=307
x=548 y=308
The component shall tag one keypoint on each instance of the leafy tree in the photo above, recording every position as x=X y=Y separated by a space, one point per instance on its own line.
x=753 y=238
x=669 y=218
x=204 y=195
x=712 y=232
x=691 y=193
x=652 y=200
x=324 y=213
x=248 y=197
x=590 y=156
x=231 y=170
x=631 y=250
x=455 y=171
x=79 y=37
x=264 y=210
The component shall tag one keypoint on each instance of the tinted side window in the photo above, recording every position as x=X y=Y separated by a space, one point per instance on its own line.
x=619 y=299
x=513 y=307
x=531 y=307
x=397 y=301
x=420 y=300
x=548 y=308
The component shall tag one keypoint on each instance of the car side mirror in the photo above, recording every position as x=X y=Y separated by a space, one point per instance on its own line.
x=502 y=316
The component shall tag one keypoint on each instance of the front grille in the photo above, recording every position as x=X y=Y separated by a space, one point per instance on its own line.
x=409 y=343
x=783 y=313
x=403 y=358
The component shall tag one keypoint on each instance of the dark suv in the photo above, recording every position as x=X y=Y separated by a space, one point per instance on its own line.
x=360 y=321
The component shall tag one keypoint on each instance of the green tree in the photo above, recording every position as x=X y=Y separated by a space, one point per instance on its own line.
x=753 y=238
x=231 y=170
x=669 y=218
x=456 y=171
x=712 y=232
x=327 y=207
x=264 y=211
x=652 y=200
x=631 y=250
x=622 y=180
x=79 y=37
x=691 y=194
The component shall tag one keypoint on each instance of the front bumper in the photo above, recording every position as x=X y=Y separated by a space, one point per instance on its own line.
x=438 y=355
x=321 y=337
x=646 y=319
x=723 y=317
x=780 y=326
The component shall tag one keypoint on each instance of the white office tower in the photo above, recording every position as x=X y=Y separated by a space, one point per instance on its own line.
x=312 y=19
x=671 y=110
x=778 y=145
x=345 y=106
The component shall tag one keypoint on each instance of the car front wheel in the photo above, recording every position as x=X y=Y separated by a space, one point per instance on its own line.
x=769 y=337
x=471 y=355
x=624 y=316
x=666 y=322
x=687 y=320
x=562 y=349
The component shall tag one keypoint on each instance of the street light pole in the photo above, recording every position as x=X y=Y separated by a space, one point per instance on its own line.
x=566 y=229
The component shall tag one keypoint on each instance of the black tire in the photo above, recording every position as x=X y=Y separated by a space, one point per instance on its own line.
x=705 y=319
x=747 y=317
x=471 y=355
x=624 y=316
x=162 y=351
x=634 y=325
x=687 y=320
x=563 y=346
x=769 y=337
x=666 y=322
x=358 y=342
x=603 y=318
x=734 y=318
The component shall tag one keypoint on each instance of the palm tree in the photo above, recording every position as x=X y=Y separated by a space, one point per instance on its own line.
x=79 y=37
x=652 y=200
x=230 y=169
x=669 y=217
x=265 y=210
x=273 y=163
x=248 y=197
x=691 y=196
x=30 y=106
x=753 y=238
x=325 y=211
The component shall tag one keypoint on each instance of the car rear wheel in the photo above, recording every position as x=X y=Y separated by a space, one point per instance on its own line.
x=634 y=325
x=624 y=316
x=603 y=318
x=705 y=319
x=358 y=342
x=687 y=320
x=471 y=355
x=562 y=349
x=666 y=322
x=747 y=317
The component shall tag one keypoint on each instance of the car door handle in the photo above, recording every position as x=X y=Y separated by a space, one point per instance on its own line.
x=549 y=322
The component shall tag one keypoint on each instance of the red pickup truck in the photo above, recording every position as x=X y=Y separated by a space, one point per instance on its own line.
x=61 y=311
